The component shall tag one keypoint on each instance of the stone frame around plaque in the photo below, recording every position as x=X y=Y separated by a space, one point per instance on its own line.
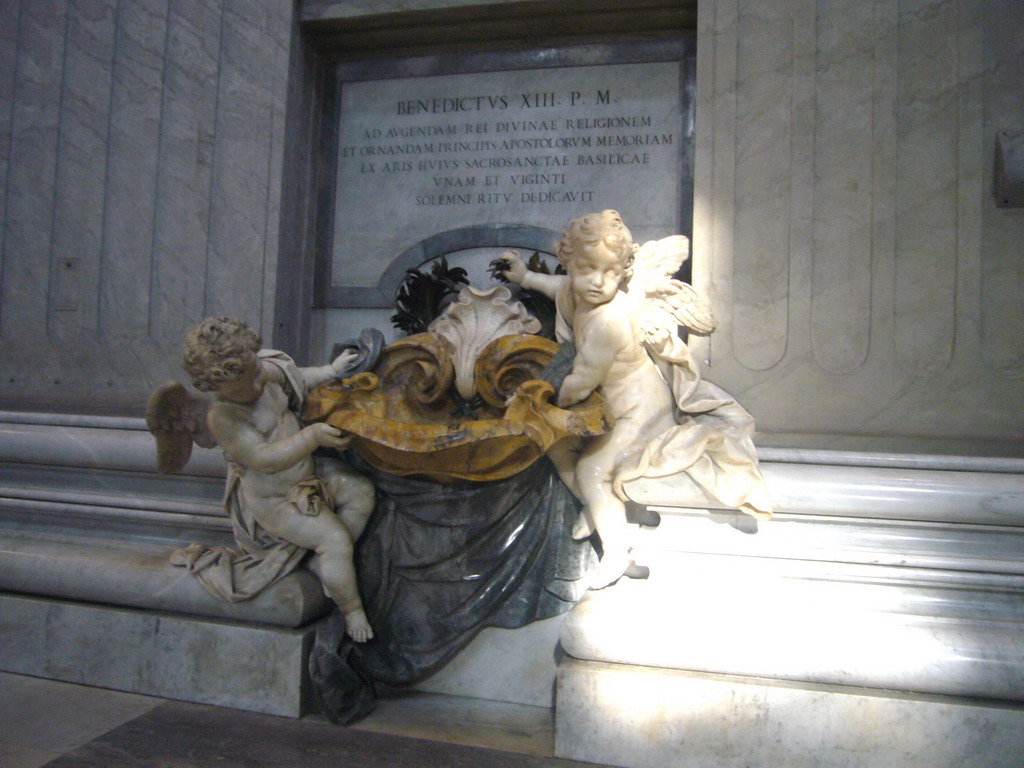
x=330 y=292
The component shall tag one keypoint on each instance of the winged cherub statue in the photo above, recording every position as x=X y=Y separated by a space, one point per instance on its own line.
x=282 y=500
x=621 y=308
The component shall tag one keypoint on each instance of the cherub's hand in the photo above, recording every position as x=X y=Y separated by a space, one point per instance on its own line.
x=327 y=436
x=571 y=392
x=514 y=268
x=344 y=361
x=567 y=399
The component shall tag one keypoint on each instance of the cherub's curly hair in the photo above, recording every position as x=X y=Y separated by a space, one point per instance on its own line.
x=216 y=350
x=606 y=227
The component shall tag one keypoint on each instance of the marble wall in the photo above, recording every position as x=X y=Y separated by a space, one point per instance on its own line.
x=140 y=176
x=869 y=289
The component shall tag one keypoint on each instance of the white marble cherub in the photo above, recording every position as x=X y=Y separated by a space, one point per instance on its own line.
x=621 y=308
x=274 y=481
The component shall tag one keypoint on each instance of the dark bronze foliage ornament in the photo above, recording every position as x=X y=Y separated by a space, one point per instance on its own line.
x=536 y=303
x=422 y=296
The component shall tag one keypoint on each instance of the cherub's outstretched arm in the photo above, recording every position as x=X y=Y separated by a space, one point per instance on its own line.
x=532 y=281
x=246 y=445
x=318 y=374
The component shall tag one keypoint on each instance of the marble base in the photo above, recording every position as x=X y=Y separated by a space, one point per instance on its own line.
x=642 y=717
x=509 y=665
x=229 y=664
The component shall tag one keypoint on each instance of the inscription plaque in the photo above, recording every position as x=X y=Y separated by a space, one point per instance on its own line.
x=418 y=156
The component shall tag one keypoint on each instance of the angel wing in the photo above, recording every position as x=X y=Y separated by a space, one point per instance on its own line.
x=177 y=418
x=662 y=303
x=658 y=259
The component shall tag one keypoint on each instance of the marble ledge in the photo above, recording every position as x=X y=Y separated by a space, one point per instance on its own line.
x=894 y=459
x=886 y=492
x=955 y=548
x=687 y=567
x=195 y=506
x=95 y=447
x=72 y=420
x=139 y=575
x=332 y=10
x=61 y=494
x=733 y=617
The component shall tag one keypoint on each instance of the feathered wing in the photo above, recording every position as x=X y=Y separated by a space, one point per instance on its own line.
x=661 y=258
x=662 y=303
x=177 y=418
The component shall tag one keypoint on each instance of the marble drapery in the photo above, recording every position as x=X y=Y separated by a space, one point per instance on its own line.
x=441 y=561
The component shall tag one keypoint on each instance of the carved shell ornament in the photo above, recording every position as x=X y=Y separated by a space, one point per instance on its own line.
x=472 y=322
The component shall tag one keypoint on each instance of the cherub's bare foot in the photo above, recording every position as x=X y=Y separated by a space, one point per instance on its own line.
x=634 y=571
x=642 y=515
x=582 y=529
x=357 y=627
x=755 y=513
x=609 y=570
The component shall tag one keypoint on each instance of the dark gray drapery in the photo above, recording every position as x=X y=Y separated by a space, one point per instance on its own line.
x=437 y=563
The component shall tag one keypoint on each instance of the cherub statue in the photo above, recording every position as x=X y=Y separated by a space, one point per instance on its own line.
x=620 y=306
x=282 y=499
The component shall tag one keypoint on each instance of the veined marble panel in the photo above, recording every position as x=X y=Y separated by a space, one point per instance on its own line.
x=35 y=122
x=714 y=167
x=240 y=260
x=81 y=172
x=136 y=108
x=764 y=135
x=841 y=266
x=137 y=139
x=926 y=195
x=9 y=26
x=1002 y=231
x=890 y=149
x=188 y=130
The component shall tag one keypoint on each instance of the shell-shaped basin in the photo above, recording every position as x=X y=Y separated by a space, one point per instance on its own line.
x=407 y=417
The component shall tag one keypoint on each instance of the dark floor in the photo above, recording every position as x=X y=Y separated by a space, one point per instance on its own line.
x=43 y=722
